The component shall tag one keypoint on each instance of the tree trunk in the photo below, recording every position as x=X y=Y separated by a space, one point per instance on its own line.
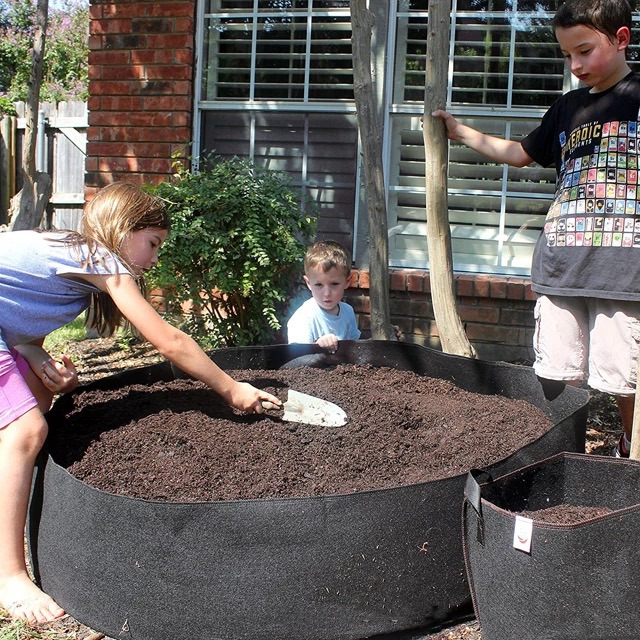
x=452 y=335
x=362 y=21
x=28 y=206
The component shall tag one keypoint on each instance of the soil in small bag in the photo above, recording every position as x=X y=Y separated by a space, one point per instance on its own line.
x=178 y=441
x=566 y=514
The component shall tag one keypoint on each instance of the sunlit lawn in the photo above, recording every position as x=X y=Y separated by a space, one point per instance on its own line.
x=56 y=342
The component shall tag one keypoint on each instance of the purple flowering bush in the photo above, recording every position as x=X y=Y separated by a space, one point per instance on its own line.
x=66 y=50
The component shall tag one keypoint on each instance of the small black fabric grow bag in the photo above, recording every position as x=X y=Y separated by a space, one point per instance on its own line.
x=321 y=568
x=578 y=581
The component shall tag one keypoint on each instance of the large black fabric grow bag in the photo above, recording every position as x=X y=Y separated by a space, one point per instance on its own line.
x=578 y=581
x=329 y=567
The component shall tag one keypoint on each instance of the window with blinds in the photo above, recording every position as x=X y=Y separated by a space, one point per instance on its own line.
x=282 y=50
x=277 y=87
x=505 y=70
x=318 y=151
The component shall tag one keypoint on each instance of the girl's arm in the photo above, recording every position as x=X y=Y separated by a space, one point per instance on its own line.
x=177 y=347
x=58 y=376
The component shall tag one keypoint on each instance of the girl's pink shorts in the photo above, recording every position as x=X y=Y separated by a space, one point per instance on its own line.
x=15 y=396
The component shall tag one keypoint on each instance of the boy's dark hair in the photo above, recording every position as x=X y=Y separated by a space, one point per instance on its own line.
x=328 y=255
x=605 y=16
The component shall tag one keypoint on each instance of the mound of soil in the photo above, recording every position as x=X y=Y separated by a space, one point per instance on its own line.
x=178 y=441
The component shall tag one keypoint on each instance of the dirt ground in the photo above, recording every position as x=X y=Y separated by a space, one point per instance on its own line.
x=100 y=357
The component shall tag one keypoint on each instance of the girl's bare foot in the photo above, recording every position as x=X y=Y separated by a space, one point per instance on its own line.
x=24 y=600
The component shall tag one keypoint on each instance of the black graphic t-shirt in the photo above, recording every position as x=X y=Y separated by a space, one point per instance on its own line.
x=591 y=240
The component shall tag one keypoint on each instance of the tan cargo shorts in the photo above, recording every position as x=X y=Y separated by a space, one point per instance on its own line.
x=578 y=339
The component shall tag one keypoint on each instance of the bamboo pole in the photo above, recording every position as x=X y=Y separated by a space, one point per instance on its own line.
x=5 y=168
x=634 y=452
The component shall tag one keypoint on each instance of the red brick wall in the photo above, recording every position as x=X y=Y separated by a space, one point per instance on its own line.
x=497 y=312
x=141 y=66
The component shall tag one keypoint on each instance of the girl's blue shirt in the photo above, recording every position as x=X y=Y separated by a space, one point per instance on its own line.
x=40 y=290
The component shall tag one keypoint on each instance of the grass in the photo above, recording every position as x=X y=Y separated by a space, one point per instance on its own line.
x=55 y=343
x=20 y=630
x=12 y=629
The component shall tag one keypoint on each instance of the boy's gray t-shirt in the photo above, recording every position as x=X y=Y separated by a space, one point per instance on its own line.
x=39 y=288
x=590 y=245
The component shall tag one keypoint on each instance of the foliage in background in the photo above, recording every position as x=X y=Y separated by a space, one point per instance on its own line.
x=6 y=107
x=66 y=50
x=235 y=251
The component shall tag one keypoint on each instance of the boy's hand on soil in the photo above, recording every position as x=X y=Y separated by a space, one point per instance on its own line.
x=329 y=342
x=59 y=376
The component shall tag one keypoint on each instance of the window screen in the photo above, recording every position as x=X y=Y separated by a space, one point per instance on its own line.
x=505 y=70
x=277 y=87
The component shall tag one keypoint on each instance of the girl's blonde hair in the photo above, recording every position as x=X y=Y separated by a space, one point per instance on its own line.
x=115 y=211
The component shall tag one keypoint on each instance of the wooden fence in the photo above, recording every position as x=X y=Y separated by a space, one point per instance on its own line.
x=61 y=151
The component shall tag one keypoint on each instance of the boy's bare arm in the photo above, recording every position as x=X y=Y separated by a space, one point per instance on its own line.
x=497 y=149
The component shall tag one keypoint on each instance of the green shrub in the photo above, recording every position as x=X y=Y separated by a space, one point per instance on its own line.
x=235 y=250
x=6 y=107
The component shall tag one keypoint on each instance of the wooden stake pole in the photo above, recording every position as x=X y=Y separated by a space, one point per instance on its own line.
x=634 y=452
x=443 y=288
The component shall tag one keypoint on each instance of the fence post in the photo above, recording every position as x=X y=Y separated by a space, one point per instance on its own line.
x=7 y=165
x=40 y=143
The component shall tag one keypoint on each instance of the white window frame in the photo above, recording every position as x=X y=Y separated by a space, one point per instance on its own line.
x=393 y=111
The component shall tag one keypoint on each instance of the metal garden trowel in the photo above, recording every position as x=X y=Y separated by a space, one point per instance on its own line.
x=307 y=409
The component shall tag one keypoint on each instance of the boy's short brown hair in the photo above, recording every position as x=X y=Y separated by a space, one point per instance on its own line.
x=605 y=16
x=326 y=256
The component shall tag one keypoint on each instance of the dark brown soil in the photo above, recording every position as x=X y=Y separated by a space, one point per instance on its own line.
x=566 y=514
x=178 y=441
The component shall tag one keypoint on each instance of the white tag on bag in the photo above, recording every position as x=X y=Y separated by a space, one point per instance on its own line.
x=522 y=534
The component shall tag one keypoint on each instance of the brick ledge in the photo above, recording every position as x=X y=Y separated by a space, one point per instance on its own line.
x=467 y=285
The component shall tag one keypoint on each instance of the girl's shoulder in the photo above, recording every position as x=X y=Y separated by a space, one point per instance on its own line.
x=71 y=248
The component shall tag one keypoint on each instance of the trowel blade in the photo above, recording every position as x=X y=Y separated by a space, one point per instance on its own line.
x=301 y=407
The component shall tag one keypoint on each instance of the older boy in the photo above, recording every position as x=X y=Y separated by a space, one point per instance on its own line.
x=586 y=264
x=324 y=318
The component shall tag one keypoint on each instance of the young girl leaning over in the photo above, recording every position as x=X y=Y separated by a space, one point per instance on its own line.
x=46 y=280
